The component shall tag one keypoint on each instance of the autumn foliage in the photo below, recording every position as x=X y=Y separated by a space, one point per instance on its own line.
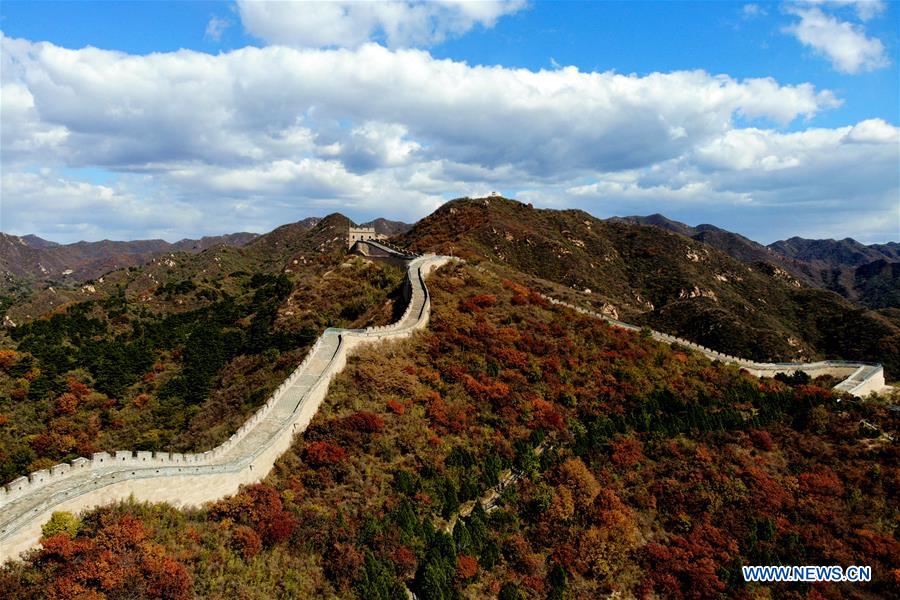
x=120 y=560
x=517 y=449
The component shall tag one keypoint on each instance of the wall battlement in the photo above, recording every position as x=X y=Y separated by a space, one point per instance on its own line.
x=190 y=479
x=358 y=234
x=859 y=379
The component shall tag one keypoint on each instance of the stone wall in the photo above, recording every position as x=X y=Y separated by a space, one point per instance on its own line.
x=859 y=379
x=248 y=455
x=193 y=479
x=356 y=234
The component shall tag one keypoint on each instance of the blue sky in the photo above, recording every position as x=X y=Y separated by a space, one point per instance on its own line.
x=783 y=117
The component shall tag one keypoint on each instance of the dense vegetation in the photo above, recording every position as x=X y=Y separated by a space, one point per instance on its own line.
x=619 y=465
x=664 y=280
x=167 y=357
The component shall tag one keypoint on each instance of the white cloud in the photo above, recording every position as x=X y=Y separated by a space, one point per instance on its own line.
x=351 y=24
x=138 y=112
x=70 y=210
x=865 y=9
x=818 y=183
x=751 y=11
x=256 y=137
x=845 y=44
x=216 y=27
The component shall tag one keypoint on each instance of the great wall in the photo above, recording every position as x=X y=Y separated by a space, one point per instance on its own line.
x=857 y=378
x=192 y=479
x=248 y=455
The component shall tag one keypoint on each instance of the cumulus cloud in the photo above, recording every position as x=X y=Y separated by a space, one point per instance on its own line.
x=256 y=137
x=73 y=210
x=845 y=44
x=351 y=24
x=272 y=103
x=818 y=182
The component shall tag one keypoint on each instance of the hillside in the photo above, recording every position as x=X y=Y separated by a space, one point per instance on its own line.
x=847 y=267
x=665 y=280
x=31 y=258
x=176 y=353
x=388 y=227
x=519 y=450
x=834 y=253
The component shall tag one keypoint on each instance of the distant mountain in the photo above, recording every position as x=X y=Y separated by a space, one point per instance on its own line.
x=229 y=239
x=666 y=280
x=31 y=258
x=38 y=242
x=836 y=253
x=308 y=222
x=867 y=274
x=387 y=227
x=658 y=220
x=854 y=270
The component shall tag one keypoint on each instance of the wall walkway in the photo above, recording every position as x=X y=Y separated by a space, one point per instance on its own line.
x=192 y=479
x=249 y=454
x=858 y=378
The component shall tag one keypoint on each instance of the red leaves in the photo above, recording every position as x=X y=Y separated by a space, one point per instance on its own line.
x=688 y=567
x=547 y=416
x=260 y=507
x=477 y=303
x=449 y=417
x=79 y=389
x=876 y=544
x=365 y=421
x=627 y=452
x=62 y=548
x=404 y=558
x=343 y=562
x=396 y=407
x=486 y=389
x=246 y=541
x=768 y=493
x=122 y=534
x=812 y=392
x=166 y=578
x=119 y=560
x=141 y=400
x=8 y=358
x=511 y=357
x=762 y=440
x=65 y=404
x=322 y=454
x=821 y=481
x=466 y=567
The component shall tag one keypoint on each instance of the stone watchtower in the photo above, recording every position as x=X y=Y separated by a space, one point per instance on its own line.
x=357 y=234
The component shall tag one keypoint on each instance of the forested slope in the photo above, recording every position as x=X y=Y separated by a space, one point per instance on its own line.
x=647 y=275
x=175 y=355
x=646 y=470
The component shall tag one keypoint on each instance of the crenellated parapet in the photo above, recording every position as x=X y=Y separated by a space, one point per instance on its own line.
x=190 y=479
x=858 y=378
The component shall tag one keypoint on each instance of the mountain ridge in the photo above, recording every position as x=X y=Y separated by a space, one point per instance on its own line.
x=669 y=282
x=31 y=258
x=834 y=265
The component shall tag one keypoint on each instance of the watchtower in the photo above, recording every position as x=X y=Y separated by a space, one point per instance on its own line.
x=357 y=234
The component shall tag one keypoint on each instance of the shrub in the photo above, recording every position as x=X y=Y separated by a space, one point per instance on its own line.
x=61 y=523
